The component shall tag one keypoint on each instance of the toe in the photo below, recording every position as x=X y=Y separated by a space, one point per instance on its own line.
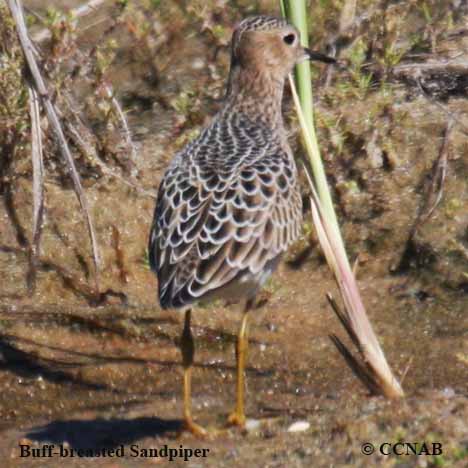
x=236 y=419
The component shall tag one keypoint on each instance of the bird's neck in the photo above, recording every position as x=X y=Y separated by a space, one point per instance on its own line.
x=256 y=94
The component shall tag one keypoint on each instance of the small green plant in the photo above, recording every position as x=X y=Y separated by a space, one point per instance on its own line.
x=336 y=134
x=438 y=461
x=358 y=54
x=145 y=260
x=184 y=101
x=427 y=12
x=187 y=136
x=361 y=81
x=460 y=453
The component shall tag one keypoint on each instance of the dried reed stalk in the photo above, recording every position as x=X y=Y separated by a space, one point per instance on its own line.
x=370 y=366
x=38 y=183
x=42 y=92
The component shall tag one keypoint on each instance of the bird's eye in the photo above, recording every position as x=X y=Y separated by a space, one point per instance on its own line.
x=289 y=39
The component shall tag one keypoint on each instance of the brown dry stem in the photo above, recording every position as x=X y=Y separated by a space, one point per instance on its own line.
x=45 y=99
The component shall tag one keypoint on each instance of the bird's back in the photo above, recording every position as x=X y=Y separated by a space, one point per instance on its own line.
x=227 y=207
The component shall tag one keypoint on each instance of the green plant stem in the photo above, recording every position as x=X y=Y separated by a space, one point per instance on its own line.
x=295 y=11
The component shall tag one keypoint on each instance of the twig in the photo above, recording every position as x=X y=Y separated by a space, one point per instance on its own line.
x=403 y=375
x=437 y=180
x=38 y=183
x=433 y=191
x=17 y=13
x=88 y=151
x=454 y=65
x=123 y=120
x=451 y=115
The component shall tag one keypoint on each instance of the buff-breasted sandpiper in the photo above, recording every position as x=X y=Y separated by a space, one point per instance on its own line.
x=229 y=203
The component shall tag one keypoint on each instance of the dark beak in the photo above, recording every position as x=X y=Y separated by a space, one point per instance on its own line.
x=318 y=57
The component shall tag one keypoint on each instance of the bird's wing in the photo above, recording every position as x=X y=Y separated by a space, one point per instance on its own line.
x=202 y=239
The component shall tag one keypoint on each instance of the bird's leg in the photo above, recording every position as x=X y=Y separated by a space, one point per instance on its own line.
x=237 y=417
x=188 y=351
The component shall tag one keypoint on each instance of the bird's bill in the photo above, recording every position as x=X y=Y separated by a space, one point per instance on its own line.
x=317 y=56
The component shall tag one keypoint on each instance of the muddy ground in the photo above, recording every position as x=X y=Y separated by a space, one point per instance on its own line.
x=97 y=370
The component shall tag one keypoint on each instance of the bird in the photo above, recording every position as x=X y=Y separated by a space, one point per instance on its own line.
x=229 y=204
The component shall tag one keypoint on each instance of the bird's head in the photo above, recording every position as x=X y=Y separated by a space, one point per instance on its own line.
x=269 y=45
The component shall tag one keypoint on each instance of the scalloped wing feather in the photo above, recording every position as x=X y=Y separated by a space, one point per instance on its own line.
x=217 y=221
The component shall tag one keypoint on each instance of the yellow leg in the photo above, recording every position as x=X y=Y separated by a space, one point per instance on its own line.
x=188 y=351
x=237 y=417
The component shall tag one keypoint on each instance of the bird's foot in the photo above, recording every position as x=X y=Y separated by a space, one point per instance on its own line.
x=195 y=429
x=237 y=418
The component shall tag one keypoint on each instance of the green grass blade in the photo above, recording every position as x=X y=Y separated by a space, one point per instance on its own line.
x=297 y=14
